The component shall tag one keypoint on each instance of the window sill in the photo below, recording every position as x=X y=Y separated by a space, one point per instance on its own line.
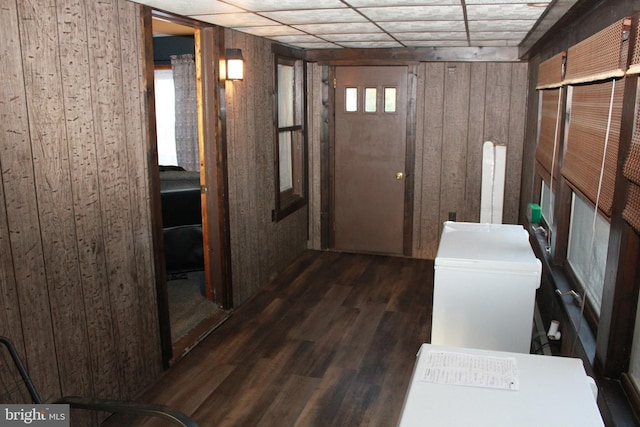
x=612 y=400
x=291 y=207
x=556 y=277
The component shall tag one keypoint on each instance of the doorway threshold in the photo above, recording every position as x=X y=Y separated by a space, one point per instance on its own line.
x=186 y=343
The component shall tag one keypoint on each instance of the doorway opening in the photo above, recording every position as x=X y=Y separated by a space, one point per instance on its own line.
x=190 y=294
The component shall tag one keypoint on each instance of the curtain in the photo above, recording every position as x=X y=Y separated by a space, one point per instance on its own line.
x=184 y=77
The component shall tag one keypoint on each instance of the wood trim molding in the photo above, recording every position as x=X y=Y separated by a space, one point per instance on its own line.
x=154 y=193
x=410 y=160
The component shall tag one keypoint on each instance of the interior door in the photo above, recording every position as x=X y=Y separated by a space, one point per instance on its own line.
x=369 y=159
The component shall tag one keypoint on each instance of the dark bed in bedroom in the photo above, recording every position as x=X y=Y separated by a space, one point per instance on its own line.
x=181 y=219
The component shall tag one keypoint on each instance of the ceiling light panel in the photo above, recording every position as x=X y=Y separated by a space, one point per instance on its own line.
x=293 y=17
x=503 y=11
x=236 y=20
x=190 y=7
x=414 y=13
x=271 y=5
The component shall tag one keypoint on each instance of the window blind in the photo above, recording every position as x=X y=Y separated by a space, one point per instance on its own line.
x=631 y=212
x=592 y=138
x=550 y=76
x=593 y=126
x=600 y=57
x=549 y=131
x=634 y=67
x=551 y=72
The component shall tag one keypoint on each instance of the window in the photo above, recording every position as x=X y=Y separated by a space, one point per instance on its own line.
x=587 y=251
x=546 y=203
x=165 y=117
x=290 y=137
x=351 y=99
x=634 y=364
x=370 y=100
x=390 y=100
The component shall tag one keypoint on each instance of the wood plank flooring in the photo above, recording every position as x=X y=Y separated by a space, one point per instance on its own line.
x=330 y=342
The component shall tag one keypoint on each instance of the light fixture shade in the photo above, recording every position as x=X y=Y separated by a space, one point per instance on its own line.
x=235 y=64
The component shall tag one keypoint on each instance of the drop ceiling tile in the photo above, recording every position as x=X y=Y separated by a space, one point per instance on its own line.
x=540 y=4
x=305 y=38
x=357 y=37
x=436 y=43
x=490 y=43
x=442 y=35
x=374 y=3
x=270 y=5
x=414 y=13
x=351 y=27
x=190 y=7
x=496 y=35
x=503 y=11
x=417 y=26
x=270 y=30
x=234 y=20
x=293 y=17
x=503 y=25
x=324 y=45
x=370 y=45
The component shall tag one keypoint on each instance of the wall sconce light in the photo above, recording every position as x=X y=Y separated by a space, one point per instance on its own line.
x=235 y=64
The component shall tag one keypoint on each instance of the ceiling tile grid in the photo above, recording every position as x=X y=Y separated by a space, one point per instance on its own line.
x=326 y=24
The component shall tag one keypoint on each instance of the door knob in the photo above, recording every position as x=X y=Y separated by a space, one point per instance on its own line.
x=399 y=175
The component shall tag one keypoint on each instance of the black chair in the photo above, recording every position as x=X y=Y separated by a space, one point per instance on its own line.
x=106 y=405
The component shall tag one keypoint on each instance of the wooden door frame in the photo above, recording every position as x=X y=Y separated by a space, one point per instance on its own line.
x=328 y=167
x=209 y=45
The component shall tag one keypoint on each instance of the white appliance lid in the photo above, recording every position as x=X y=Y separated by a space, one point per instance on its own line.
x=486 y=247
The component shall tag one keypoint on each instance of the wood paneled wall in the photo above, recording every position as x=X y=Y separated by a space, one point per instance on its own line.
x=317 y=105
x=260 y=248
x=77 y=292
x=460 y=106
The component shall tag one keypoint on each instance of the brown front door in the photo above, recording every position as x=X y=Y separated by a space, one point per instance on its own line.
x=369 y=160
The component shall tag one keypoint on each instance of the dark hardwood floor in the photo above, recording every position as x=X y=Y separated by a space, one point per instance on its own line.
x=330 y=342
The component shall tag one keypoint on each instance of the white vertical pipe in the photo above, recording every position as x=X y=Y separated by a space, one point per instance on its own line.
x=494 y=158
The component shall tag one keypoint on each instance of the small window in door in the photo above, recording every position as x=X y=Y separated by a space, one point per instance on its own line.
x=370 y=99
x=351 y=99
x=389 y=99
